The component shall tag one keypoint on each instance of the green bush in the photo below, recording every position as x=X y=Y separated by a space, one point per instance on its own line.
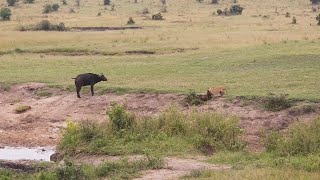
x=172 y=122
x=120 y=118
x=192 y=99
x=45 y=25
x=89 y=131
x=11 y=2
x=301 y=139
x=70 y=171
x=55 y=7
x=5 y=14
x=48 y=8
x=275 y=102
x=171 y=131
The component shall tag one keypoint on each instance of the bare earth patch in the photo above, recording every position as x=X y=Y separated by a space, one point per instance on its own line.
x=174 y=168
x=40 y=126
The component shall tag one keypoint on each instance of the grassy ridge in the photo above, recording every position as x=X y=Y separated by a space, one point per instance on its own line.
x=278 y=68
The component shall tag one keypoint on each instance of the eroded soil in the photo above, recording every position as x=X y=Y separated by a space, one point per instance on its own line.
x=40 y=126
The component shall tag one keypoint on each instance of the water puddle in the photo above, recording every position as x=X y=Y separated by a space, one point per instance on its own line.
x=23 y=153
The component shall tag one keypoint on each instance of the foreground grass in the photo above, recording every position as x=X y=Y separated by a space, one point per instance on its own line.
x=172 y=133
x=123 y=169
x=255 y=71
x=253 y=174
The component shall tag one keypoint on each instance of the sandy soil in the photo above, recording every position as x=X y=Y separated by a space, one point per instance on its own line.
x=40 y=126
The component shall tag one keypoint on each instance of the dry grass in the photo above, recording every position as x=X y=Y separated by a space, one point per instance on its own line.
x=198 y=28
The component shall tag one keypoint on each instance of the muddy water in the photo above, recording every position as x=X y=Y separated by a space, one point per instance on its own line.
x=23 y=153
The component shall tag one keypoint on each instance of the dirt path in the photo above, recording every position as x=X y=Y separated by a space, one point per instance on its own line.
x=174 y=167
x=41 y=125
x=177 y=167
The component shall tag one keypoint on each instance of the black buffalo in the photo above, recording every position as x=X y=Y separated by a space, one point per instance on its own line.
x=87 y=79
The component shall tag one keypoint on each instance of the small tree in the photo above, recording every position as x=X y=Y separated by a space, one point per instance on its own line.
x=11 y=2
x=78 y=2
x=5 y=14
x=164 y=2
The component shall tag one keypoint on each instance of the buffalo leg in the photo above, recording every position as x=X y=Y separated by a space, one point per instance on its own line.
x=92 y=90
x=78 y=92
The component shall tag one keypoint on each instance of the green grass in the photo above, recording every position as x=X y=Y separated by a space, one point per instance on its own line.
x=123 y=169
x=277 y=68
x=172 y=133
x=253 y=174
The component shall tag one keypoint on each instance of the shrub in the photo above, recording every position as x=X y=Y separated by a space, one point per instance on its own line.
x=157 y=16
x=303 y=109
x=199 y=1
x=218 y=132
x=172 y=122
x=22 y=109
x=130 y=21
x=11 y=2
x=55 y=7
x=71 y=171
x=287 y=15
x=45 y=25
x=89 y=130
x=236 y=9
x=64 y=2
x=29 y=1
x=192 y=99
x=120 y=119
x=301 y=139
x=294 y=20
x=48 y=8
x=275 y=102
x=5 y=14
x=127 y=134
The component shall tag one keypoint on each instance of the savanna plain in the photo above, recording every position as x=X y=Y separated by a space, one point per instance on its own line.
x=147 y=121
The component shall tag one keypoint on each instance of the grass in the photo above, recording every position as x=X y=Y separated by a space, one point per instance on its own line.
x=123 y=169
x=301 y=139
x=43 y=93
x=22 y=109
x=172 y=133
x=245 y=74
x=254 y=173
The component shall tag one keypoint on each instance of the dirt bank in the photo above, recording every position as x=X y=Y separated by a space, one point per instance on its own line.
x=40 y=126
